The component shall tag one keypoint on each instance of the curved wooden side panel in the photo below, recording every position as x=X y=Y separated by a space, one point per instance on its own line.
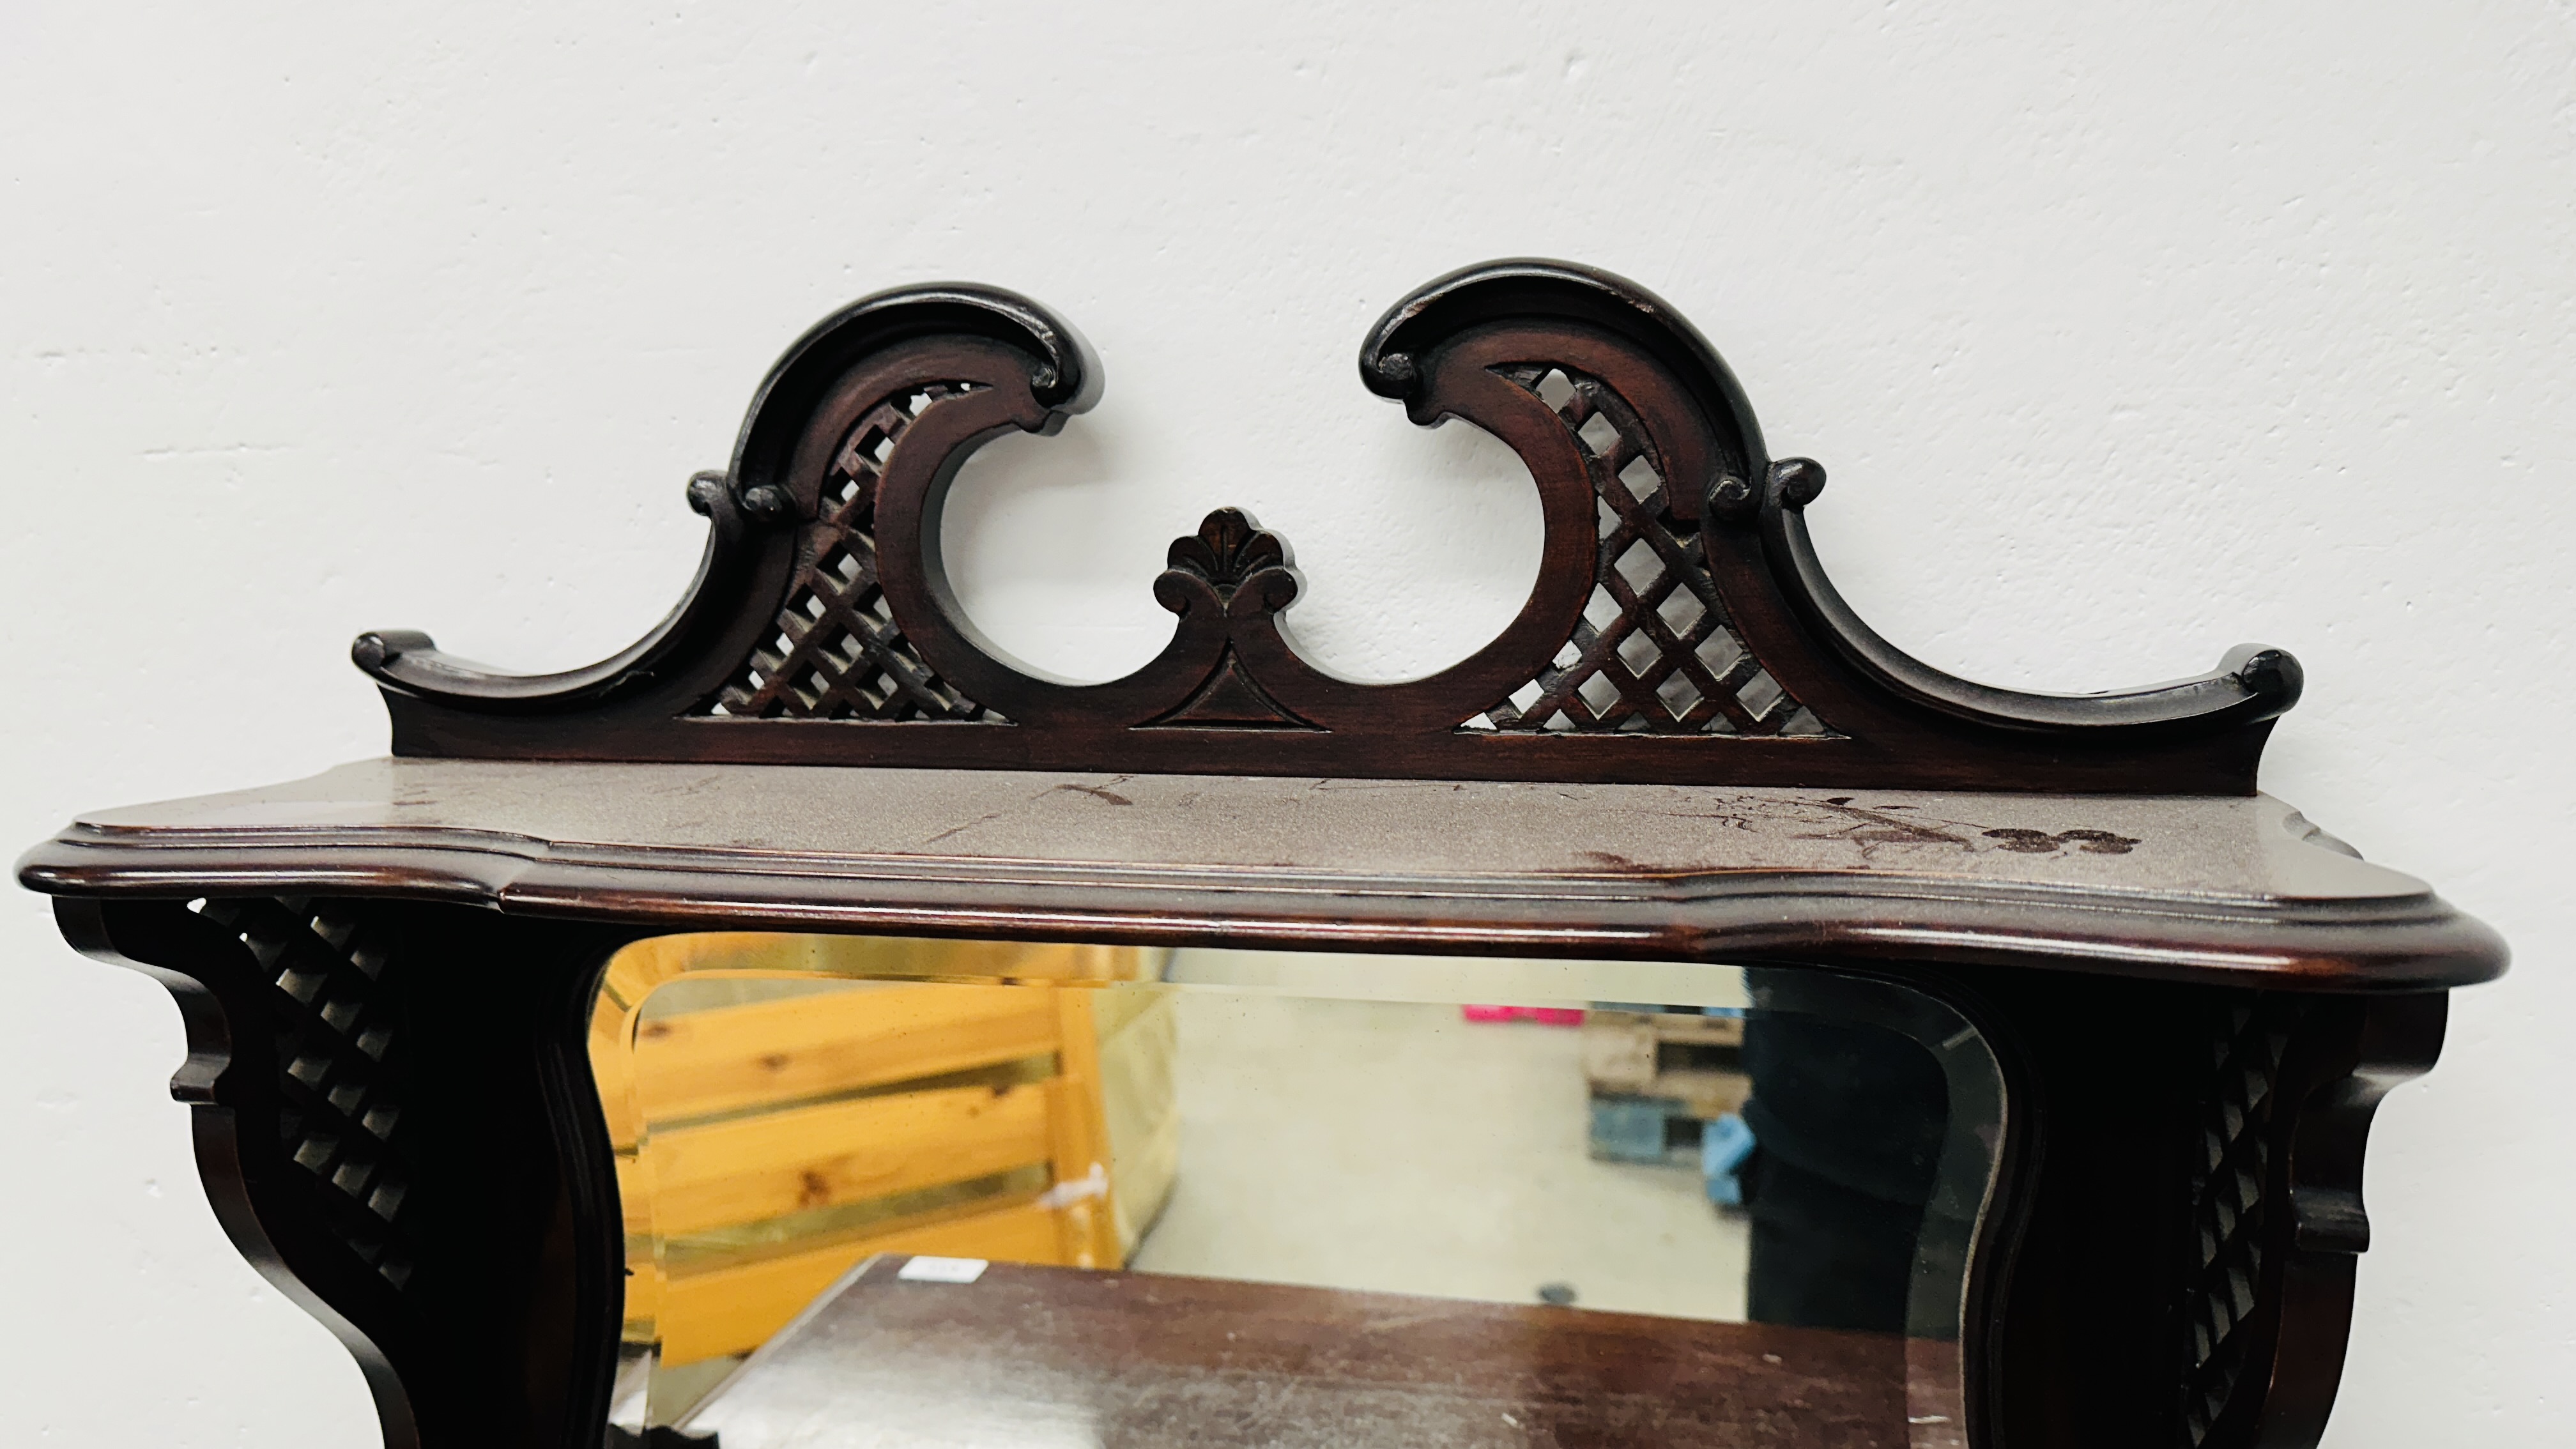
x=2175 y=1258
x=2278 y=1228
x=1680 y=628
x=396 y=1124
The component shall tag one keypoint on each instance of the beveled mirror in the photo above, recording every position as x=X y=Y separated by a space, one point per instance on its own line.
x=1378 y=1199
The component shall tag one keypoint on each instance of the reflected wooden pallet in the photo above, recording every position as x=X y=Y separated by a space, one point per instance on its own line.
x=1692 y=1060
x=779 y=1116
x=1657 y=1078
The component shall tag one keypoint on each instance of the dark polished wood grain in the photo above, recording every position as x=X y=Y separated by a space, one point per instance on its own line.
x=1135 y=1361
x=1680 y=628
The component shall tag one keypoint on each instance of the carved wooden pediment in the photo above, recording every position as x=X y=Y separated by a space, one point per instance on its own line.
x=1680 y=629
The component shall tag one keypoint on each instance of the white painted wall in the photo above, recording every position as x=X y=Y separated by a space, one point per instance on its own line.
x=2126 y=338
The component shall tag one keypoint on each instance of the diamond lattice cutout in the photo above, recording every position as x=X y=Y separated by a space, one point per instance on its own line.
x=2230 y=1181
x=1653 y=650
x=336 y=1022
x=838 y=653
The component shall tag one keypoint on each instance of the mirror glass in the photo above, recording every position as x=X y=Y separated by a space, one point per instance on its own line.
x=884 y=1192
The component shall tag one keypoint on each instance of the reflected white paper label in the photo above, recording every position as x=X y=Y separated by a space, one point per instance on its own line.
x=941 y=1270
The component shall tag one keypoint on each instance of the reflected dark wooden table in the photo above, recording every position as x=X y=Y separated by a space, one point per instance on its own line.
x=1033 y=1358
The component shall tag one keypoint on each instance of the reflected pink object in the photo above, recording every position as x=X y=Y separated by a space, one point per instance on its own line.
x=1543 y=1015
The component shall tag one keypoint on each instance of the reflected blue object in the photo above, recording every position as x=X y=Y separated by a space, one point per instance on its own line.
x=1723 y=1146
x=1629 y=1129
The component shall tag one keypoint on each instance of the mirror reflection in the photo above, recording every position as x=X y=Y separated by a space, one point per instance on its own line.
x=894 y=1192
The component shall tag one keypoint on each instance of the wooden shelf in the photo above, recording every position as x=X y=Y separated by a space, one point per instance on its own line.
x=1144 y=1362
x=2206 y=887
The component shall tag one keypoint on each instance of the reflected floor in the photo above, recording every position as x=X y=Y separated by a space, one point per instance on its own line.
x=1399 y=1147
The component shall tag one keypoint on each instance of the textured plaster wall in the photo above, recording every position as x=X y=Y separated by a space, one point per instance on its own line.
x=2126 y=337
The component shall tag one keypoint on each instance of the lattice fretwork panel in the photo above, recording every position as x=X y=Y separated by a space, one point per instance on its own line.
x=339 y=1117
x=1654 y=651
x=2231 y=1175
x=838 y=653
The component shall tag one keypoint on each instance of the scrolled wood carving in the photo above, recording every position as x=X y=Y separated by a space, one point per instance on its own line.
x=1680 y=628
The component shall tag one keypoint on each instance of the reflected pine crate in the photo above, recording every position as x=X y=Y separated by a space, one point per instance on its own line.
x=779 y=1116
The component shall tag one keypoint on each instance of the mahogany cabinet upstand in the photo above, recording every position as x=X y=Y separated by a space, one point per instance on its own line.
x=1685 y=748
